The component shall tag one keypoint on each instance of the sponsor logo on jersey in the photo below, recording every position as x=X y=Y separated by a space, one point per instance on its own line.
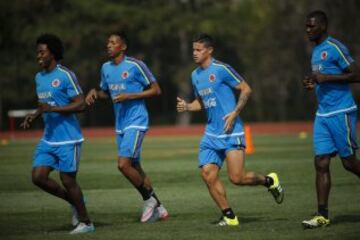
x=125 y=74
x=323 y=55
x=44 y=95
x=212 y=77
x=205 y=92
x=55 y=82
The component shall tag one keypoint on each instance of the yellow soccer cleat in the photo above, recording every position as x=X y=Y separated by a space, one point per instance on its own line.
x=225 y=221
x=276 y=189
x=316 y=222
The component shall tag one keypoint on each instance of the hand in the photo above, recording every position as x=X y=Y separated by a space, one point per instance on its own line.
x=45 y=107
x=229 y=121
x=181 y=105
x=29 y=118
x=309 y=83
x=318 y=77
x=91 y=97
x=121 y=97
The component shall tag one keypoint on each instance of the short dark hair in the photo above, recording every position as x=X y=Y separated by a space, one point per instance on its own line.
x=121 y=34
x=320 y=16
x=53 y=43
x=204 y=38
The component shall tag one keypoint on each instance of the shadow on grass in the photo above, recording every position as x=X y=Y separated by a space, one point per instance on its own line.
x=346 y=219
x=68 y=228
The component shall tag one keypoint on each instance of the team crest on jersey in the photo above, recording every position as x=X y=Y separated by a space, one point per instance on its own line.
x=55 y=82
x=323 y=55
x=212 y=77
x=125 y=74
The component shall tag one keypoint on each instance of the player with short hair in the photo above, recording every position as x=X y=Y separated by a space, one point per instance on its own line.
x=60 y=98
x=128 y=81
x=335 y=123
x=214 y=84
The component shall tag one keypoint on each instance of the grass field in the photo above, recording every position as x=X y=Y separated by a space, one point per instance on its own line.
x=28 y=213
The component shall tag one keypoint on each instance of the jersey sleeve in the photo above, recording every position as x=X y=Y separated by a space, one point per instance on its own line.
x=72 y=85
x=342 y=56
x=230 y=76
x=144 y=75
x=103 y=85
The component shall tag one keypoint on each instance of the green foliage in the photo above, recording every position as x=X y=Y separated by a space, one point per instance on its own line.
x=263 y=40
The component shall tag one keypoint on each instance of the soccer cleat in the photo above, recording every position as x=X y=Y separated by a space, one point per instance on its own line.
x=148 y=209
x=275 y=189
x=225 y=221
x=163 y=213
x=75 y=216
x=316 y=222
x=83 y=228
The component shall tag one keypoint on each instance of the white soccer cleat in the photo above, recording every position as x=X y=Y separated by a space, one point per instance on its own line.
x=148 y=210
x=83 y=228
x=75 y=216
x=163 y=213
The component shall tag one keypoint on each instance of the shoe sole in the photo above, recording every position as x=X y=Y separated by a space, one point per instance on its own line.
x=309 y=226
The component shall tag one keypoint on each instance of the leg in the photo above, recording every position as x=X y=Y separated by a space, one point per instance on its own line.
x=323 y=182
x=136 y=178
x=351 y=164
x=130 y=172
x=75 y=194
x=236 y=170
x=40 y=177
x=216 y=188
x=147 y=182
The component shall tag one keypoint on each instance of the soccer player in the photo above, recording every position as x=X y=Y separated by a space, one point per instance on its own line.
x=335 y=122
x=59 y=98
x=214 y=84
x=128 y=81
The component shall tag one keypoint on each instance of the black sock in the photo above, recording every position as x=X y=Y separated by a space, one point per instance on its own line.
x=144 y=192
x=228 y=212
x=323 y=210
x=153 y=194
x=268 y=181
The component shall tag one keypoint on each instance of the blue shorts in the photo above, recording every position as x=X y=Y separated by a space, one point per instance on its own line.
x=213 y=150
x=129 y=144
x=64 y=158
x=335 y=134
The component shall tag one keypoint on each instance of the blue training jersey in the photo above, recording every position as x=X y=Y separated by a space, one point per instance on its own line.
x=214 y=86
x=56 y=88
x=332 y=57
x=129 y=76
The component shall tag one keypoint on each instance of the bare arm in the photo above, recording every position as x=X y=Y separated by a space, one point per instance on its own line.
x=94 y=94
x=245 y=92
x=77 y=104
x=183 y=106
x=29 y=118
x=351 y=76
x=153 y=90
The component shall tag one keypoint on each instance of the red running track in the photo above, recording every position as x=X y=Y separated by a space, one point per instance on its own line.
x=192 y=130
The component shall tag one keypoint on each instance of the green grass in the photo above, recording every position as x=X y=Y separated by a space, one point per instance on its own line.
x=28 y=213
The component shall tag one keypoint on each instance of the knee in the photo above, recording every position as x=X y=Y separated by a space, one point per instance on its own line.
x=322 y=164
x=348 y=163
x=208 y=177
x=123 y=165
x=38 y=179
x=237 y=179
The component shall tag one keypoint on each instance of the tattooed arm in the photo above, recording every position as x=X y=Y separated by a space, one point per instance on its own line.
x=245 y=92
